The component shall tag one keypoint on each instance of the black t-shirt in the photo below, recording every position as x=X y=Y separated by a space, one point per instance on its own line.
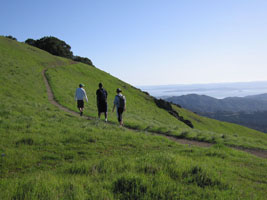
x=101 y=95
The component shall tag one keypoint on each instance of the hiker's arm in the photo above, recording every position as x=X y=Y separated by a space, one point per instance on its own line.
x=85 y=96
x=114 y=103
x=124 y=104
x=96 y=97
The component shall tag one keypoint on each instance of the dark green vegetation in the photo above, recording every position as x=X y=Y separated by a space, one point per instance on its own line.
x=47 y=153
x=11 y=37
x=57 y=47
x=250 y=111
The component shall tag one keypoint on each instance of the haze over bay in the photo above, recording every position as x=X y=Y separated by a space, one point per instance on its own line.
x=216 y=90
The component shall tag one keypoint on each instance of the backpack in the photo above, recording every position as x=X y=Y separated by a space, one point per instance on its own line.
x=121 y=101
x=102 y=95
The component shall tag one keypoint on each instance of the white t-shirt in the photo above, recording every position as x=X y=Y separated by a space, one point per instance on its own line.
x=80 y=94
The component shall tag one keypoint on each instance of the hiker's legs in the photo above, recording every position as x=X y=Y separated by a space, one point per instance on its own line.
x=119 y=112
x=106 y=112
x=102 y=108
x=80 y=105
x=81 y=111
x=106 y=116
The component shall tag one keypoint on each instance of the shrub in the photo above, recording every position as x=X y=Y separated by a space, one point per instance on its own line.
x=52 y=45
x=30 y=42
x=201 y=178
x=26 y=141
x=168 y=107
x=83 y=60
x=129 y=188
x=11 y=37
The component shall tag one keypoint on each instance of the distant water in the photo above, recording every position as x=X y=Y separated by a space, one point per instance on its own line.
x=216 y=90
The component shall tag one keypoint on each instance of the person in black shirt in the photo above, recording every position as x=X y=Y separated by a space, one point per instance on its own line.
x=101 y=98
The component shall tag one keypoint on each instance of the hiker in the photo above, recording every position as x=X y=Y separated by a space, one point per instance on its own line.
x=101 y=99
x=120 y=103
x=79 y=96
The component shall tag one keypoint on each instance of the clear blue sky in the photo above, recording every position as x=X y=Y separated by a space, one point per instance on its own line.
x=152 y=42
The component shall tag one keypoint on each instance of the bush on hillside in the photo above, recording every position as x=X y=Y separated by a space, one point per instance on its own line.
x=83 y=60
x=168 y=107
x=129 y=188
x=11 y=37
x=52 y=45
x=57 y=47
x=30 y=42
x=163 y=104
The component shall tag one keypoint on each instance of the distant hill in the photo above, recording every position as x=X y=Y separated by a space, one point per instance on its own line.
x=262 y=97
x=256 y=120
x=203 y=103
x=250 y=111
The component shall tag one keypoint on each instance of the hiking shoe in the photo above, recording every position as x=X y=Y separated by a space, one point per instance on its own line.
x=106 y=120
x=81 y=113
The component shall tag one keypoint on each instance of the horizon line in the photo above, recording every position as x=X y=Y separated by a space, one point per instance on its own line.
x=178 y=84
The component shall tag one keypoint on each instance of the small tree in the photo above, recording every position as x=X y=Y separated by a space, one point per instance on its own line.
x=55 y=46
x=11 y=37
x=83 y=60
x=30 y=41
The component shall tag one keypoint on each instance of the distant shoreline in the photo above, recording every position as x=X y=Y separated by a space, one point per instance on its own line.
x=216 y=90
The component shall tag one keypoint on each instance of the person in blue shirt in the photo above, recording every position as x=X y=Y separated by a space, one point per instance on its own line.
x=120 y=104
x=79 y=96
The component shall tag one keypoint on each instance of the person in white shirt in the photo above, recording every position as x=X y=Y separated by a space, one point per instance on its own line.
x=79 y=96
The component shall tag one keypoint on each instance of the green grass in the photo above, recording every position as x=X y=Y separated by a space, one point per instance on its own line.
x=223 y=132
x=142 y=112
x=47 y=153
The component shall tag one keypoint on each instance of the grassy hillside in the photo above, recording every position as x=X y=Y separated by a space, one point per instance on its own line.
x=47 y=153
x=223 y=132
x=142 y=112
x=247 y=111
x=141 y=109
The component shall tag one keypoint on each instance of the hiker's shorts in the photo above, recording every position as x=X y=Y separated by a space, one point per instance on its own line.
x=80 y=103
x=102 y=107
x=119 y=114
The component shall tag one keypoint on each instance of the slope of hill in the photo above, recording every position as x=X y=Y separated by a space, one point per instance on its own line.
x=262 y=97
x=47 y=153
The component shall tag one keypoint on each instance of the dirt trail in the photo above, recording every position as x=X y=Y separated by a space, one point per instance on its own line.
x=257 y=152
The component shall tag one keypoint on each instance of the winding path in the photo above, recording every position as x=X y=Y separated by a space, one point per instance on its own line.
x=257 y=152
